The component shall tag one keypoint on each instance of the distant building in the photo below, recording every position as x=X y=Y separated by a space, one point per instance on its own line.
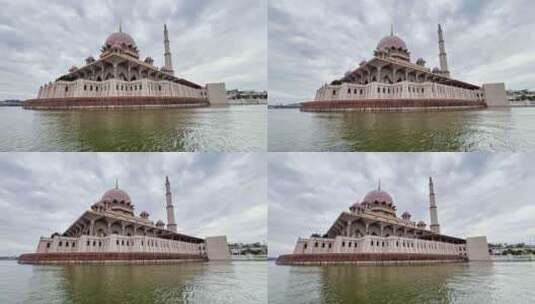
x=120 y=78
x=390 y=81
x=110 y=231
x=238 y=97
x=371 y=231
x=521 y=97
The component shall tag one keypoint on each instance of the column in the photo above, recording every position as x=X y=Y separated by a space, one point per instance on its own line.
x=348 y=230
x=92 y=228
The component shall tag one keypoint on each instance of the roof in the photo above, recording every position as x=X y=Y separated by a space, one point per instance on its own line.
x=443 y=79
x=163 y=233
x=134 y=60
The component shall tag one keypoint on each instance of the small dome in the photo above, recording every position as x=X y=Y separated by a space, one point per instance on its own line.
x=406 y=215
x=421 y=224
x=73 y=69
x=390 y=42
x=144 y=214
x=117 y=195
x=160 y=223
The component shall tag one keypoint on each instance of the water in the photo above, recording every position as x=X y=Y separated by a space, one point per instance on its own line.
x=233 y=128
x=236 y=282
x=488 y=283
x=506 y=129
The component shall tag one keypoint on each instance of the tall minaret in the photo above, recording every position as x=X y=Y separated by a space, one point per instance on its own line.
x=168 y=67
x=171 y=224
x=442 y=53
x=435 y=227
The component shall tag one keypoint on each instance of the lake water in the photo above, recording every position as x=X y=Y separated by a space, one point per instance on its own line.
x=487 y=283
x=505 y=129
x=232 y=128
x=233 y=282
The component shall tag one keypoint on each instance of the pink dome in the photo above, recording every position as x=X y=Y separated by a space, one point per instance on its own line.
x=119 y=39
x=391 y=41
x=117 y=195
x=379 y=196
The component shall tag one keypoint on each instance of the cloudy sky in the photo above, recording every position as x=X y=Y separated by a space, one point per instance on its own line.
x=486 y=41
x=211 y=40
x=476 y=193
x=213 y=194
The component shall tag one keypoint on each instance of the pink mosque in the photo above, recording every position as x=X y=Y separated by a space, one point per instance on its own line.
x=110 y=232
x=370 y=232
x=120 y=78
x=390 y=81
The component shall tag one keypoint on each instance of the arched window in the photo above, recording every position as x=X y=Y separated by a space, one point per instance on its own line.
x=316 y=244
x=349 y=244
x=343 y=244
x=85 y=87
x=66 y=89
x=371 y=243
x=66 y=244
x=60 y=243
x=91 y=88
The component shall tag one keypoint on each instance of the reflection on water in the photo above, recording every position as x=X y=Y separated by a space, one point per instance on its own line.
x=236 y=282
x=234 y=128
x=446 y=283
x=507 y=129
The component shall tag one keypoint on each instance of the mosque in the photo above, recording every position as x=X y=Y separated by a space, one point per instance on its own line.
x=390 y=81
x=370 y=232
x=120 y=78
x=110 y=232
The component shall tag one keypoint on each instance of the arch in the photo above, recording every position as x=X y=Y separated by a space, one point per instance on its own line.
x=99 y=79
x=133 y=78
x=122 y=76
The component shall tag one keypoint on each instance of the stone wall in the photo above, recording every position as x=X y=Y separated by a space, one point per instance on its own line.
x=113 y=102
x=114 y=87
x=495 y=94
x=108 y=257
x=398 y=91
x=217 y=248
x=118 y=243
x=366 y=258
x=391 y=105
x=375 y=244
x=477 y=248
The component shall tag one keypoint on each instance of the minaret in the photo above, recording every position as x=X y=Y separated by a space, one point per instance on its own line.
x=442 y=53
x=435 y=227
x=171 y=225
x=168 y=67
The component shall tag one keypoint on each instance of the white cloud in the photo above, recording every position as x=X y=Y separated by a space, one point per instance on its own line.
x=477 y=193
x=213 y=194
x=210 y=40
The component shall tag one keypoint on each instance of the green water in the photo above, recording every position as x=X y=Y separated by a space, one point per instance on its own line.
x=507 y=129
x=487 y=283
x=232 y=128
x=235 y=282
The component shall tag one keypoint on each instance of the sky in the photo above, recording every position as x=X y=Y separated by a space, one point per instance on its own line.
x=211 y=40
x=214 y=193
x=477 y=194
x=486 y=40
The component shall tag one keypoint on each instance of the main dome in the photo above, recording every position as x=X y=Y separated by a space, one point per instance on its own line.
x=390 y=42
x=378 y=196
x=116 y=194
x=119 y=39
